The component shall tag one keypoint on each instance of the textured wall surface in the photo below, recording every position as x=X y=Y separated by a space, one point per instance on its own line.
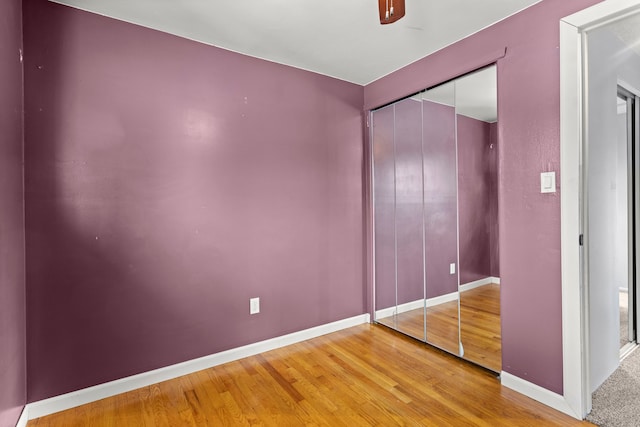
x=167 y=183
x=529 y=139
x=12 y=283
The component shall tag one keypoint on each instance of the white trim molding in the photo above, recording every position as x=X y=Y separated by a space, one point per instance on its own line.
x=477 y=283
x=415 y=305
x=123 y=385
x=536 y=392
x=571 y=218
x=402 y=308
x=24 y=417
x=453 y=296
x=575 y=355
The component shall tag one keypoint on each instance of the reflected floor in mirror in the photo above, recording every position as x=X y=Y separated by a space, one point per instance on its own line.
x=442 y=325
x=479 y=325
x=409 y=322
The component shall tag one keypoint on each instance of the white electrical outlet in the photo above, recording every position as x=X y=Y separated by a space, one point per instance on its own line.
x=254 y=305
x=452 y=268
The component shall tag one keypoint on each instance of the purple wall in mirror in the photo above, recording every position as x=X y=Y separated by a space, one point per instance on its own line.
x=414 y=151
x=494 y=227
x=440 y=198
x=383 y=123
x=477 y=198
x=13 y=379
x=409 y=223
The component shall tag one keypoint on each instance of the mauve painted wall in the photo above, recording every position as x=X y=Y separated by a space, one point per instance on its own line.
x=13 y=360
x=529 y=134
x=167 y=183
x=476 y=178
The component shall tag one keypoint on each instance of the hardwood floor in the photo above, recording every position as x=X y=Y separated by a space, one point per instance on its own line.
x=367 y=375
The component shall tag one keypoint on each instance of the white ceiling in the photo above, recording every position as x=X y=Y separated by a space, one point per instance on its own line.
x=628 y=30
x=338 y=38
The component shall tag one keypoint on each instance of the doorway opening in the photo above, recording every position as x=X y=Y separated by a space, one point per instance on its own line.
x=610 y=172
x=589 y=342
x=627 y=132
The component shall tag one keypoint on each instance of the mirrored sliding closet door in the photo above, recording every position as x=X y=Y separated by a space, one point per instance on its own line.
x=436 y=217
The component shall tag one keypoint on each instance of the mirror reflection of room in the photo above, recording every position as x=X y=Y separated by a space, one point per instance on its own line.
x=440 y=214
x=435 y=192
x=477 y=138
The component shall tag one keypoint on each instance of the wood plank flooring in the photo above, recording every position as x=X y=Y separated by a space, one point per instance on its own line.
x=367 y=375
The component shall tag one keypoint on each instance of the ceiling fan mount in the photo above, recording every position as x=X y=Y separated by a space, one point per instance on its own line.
x=390 y=10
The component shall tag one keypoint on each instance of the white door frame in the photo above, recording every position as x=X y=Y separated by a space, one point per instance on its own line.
x=575 y=327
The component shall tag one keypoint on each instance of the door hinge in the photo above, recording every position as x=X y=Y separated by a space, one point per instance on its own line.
x=581 y=240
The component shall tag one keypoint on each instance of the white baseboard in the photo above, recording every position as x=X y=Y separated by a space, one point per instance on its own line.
x=24 y=417
x=415 y=305
x=112 y=388
x=402 y=308
x=478 y=283
x=453 y=296
x=536 y=392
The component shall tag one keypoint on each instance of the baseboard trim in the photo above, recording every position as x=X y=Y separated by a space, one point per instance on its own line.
x=536 y=392
x=24 y=417
x=478 y=283
x=123 y=385
x=415 y=305
x=453 y=296
x=402 y=308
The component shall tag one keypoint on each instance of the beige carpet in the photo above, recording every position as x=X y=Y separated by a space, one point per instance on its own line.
x=617 y=402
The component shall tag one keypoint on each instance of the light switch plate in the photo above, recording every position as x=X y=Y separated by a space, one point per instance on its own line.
x=254 y=306
x=548 y=182
x=452 y=268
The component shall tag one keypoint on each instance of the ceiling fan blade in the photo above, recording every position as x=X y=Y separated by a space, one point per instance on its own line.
x=390 y=10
